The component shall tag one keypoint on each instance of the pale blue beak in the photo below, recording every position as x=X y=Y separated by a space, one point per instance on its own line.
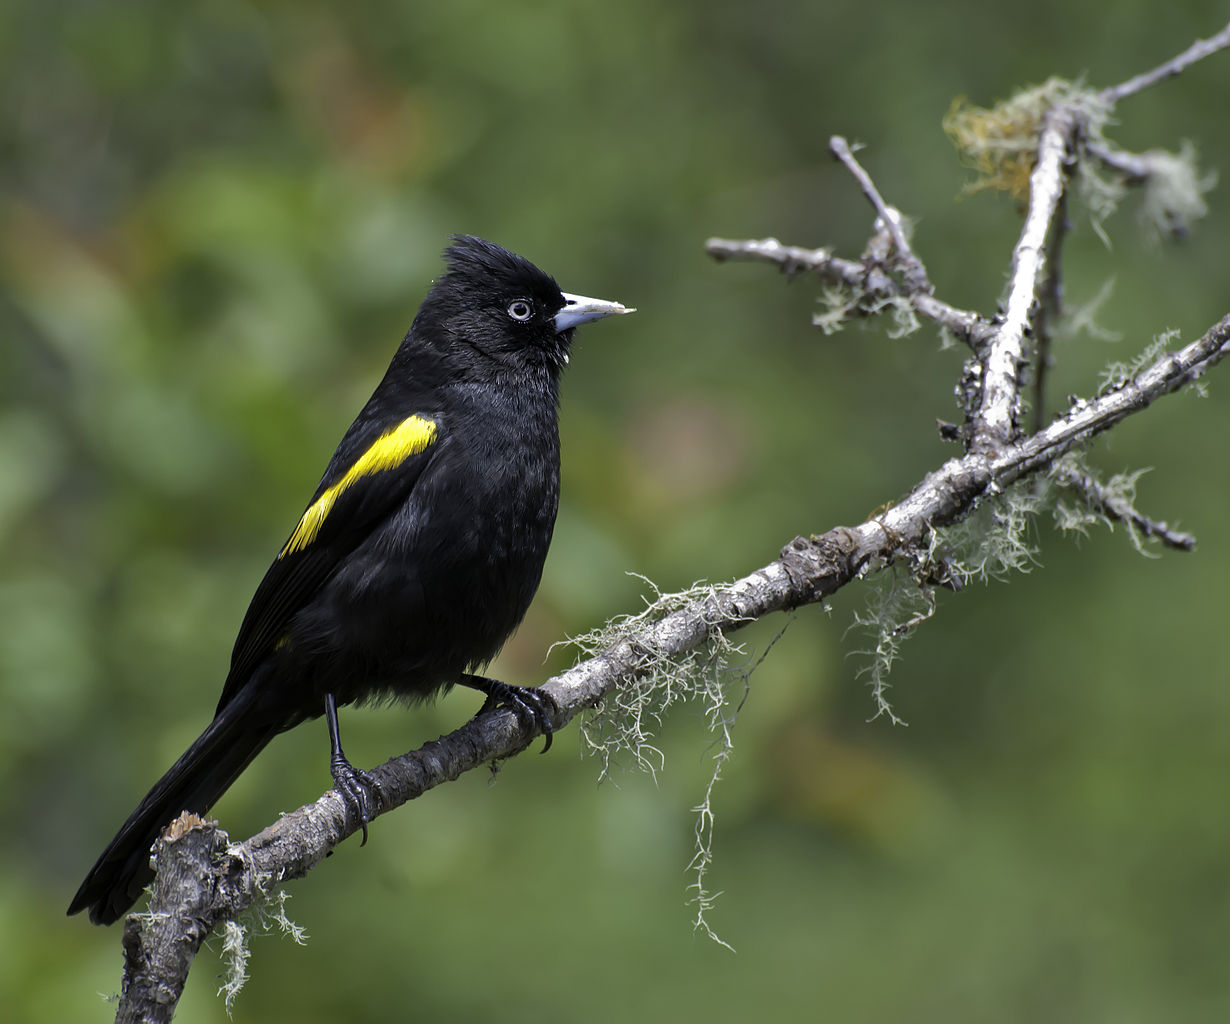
x=580 y=310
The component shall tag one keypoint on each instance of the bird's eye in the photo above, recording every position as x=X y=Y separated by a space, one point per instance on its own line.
x=520 y=310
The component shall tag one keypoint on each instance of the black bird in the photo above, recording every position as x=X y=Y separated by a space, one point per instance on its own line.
x=416 y=557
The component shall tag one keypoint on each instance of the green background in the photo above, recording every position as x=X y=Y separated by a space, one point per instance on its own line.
x=216 y=222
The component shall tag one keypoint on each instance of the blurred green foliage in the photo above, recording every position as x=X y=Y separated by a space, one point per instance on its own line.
x=216 y=221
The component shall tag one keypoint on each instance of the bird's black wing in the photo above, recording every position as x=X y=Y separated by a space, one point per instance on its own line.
x=374 y=469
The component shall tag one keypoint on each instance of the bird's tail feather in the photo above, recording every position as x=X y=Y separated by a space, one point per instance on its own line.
x=205 y=771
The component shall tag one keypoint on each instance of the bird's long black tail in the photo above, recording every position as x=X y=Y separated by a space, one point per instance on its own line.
x=206 y=770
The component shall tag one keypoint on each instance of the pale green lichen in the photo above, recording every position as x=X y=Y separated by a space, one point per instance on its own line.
x=263 y=917
x=235 y=954
x=1000 y=143
x=1174 y=191
x=1082 y=318
x=896 y=603
x=991 y=543
x=1117 y=374
x=714 y=675
x=840 y=305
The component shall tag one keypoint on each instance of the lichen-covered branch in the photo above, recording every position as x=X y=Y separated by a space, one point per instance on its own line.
x=995 y=421
x=1050 y=311
x=1112 y=503
x=913 y=270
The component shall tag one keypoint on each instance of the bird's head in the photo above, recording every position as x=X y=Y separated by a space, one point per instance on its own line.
x=499 y=313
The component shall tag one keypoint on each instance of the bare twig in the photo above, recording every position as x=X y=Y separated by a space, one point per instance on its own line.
x=912 y=268
x=1200 y=49
x=1132 y=167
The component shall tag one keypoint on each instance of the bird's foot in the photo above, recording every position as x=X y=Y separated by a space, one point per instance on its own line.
x=534 y=707
x=359 y=790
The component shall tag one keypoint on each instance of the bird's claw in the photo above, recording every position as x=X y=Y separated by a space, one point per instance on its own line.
x=533 y=706
x=359 y=790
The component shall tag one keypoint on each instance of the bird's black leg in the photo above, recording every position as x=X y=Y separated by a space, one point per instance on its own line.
x=355 y=786
x=530 y=704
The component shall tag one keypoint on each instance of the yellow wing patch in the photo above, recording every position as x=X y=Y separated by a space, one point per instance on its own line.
x=388 y=451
